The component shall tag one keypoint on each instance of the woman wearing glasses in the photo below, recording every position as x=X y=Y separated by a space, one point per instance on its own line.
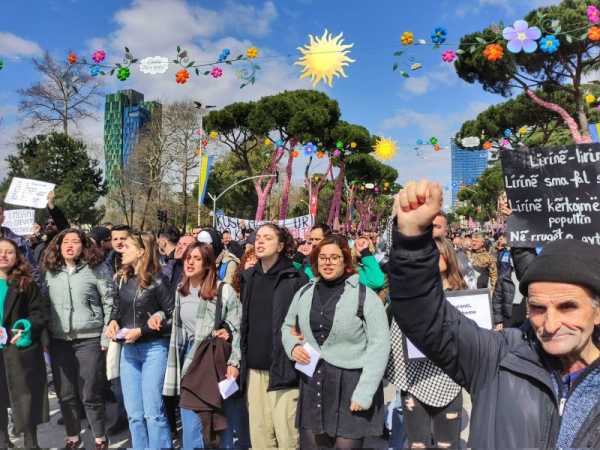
x=141 y=319
x=342 y=403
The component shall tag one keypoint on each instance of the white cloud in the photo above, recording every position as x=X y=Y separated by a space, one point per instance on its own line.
x=416 y=85
x=252 y=20
x=14 y=46
x=440 y=76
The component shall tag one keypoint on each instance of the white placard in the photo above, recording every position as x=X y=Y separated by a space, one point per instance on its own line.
x=19 y=221
x=473 y=304
x=26 y=192
x=299 y=227
x=228 y=387
x=309 y=368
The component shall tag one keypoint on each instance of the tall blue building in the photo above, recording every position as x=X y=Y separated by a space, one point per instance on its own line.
x=467 y=166
x=125 y=115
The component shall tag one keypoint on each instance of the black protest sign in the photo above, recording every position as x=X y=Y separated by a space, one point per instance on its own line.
x=554 y=193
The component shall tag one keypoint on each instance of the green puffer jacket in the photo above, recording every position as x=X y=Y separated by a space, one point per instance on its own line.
x=80 y=302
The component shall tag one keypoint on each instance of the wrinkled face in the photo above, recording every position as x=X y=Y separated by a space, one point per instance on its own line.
x=267 y=243
x=71 y=247
x=193 y=264
x=476 y=244
x=250 y=262
x=331 y=262
x=131 y=252
x=316 y=236
x=182 y=245
x=563 y=317
x=8 y=257
x=226 y=239
x=118 y=240
x=440 y=227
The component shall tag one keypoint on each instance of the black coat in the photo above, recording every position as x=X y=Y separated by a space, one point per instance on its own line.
x=513 y=383
x=282 y=374
x=23 y=384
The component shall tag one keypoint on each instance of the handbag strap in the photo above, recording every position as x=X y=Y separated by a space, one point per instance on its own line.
x=219 y=307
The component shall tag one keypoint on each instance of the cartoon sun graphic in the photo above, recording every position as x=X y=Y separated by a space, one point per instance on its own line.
x=385 y=149
x=324 y=58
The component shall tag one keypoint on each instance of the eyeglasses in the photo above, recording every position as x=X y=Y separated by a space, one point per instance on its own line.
x=333 y=259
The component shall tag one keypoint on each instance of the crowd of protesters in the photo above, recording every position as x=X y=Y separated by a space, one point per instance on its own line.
x=155 y=322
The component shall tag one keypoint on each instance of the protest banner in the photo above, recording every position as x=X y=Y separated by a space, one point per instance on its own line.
x=554 y=194
x=30 y=193
x=299 y=227
x=474 y=304
x=19 y=221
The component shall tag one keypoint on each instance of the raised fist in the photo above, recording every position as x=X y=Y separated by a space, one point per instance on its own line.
x=416 y=206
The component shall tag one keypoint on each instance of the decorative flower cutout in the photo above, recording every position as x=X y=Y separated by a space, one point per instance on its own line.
x=123 y=73
x=337 y=153
x=419 y=141
x=295 y=153
x=487 y=145
x=213 y=135
x=309 y=149
x=594 y=34
x=224 y=54
x=448 y=56
x=593 y=14
x=216 y=72
x=507 y=133
x=72 y=58
x=339 y=144
x=437 y=147
x=182 y=76
x=589 y=99
x=521 y=37
x=493 y=52
x=98 y=56
x=320 y=154
x=251 y=53
x=95 y=71
x=439 y=35
x=353 y=145
x=523 y=130
x=407 y=38
x=549 y=44
x=433 y=140
x=267 y=141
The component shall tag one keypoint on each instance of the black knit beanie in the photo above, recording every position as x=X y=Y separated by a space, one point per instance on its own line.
x=565 y=261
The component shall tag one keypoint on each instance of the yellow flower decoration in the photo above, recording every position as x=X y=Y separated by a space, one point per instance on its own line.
x=589 y=99
x=523 y=131
x=353 y=145
x=213 y=135
x=385 y=149
x=407 y=38
x=251 y=52
x=267 y=141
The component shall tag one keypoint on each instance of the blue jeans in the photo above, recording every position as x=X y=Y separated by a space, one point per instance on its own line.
x=192 y=429
x=237 y=424
x=143 y=367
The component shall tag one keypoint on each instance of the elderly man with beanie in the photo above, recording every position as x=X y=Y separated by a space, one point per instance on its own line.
x=538 y=386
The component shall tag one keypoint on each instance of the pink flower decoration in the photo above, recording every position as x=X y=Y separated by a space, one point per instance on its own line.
x=505 y=142
x=216 y=72
x=448 y=56
x=336 y=153
x=593 y=14
x=98 y=56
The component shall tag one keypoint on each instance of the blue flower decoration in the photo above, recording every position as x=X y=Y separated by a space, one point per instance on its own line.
x=439 y=36
x=507 y=133
x=279 y=143
x=309 y=149
x=419 y=141
x=549 y=44
x=224 y=54
x=95 y=71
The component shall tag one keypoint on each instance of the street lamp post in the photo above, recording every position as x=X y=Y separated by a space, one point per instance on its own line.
x=216 y=198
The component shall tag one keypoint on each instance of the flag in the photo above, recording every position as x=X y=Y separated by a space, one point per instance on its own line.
x=206 y=163
x=594 y=129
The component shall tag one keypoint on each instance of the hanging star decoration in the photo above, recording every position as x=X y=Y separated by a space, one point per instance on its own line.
x=324 y=58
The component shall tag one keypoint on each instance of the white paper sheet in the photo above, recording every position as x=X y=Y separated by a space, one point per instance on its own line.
x=19 y=221
x=228 y=387
x=26 y=192
x=309 y=368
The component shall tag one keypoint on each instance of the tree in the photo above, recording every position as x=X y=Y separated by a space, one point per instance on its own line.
x=561 y=71
x=294 y=116
x=480 y=200
x=59 y=159
x=65 y=95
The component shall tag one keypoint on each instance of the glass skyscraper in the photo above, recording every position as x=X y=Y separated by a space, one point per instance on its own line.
x=125 y=115
x=467 y=166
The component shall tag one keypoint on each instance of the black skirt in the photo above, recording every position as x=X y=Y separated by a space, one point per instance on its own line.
x=324 y=404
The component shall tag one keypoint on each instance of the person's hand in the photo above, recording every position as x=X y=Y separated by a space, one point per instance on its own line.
x=133 y=335
x=355 y=407
x=503 y=207
x=112 y=329
x=295 y=333
x=416 y=206
x=362 y=243
x=232 y=372
x=499 y=327
x=155 y=322
x=305 y=248
x=221 y=334
x=300 y=355
x=16 y=336
x=51 y=196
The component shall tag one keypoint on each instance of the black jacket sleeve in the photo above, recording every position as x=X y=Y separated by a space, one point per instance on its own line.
x=165 y=299
x=58 y=216
x=468 y=354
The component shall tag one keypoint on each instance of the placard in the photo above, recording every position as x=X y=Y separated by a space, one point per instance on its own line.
x=474 y=304
x=19 y=221
x=299 y=227
x=554 y=194
x=30 y=193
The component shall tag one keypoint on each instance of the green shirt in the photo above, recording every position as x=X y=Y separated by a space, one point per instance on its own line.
x=3 y=292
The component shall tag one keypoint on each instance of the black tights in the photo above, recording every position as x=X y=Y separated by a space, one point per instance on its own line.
x=315 y=441
x=29 y=436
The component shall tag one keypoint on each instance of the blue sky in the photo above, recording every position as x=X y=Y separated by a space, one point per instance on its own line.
x=433 y=102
